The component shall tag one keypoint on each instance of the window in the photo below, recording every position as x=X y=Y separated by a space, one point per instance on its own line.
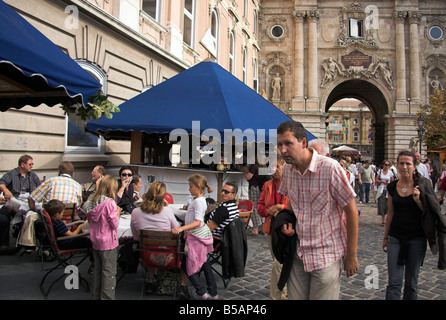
x=356 y=135
x=355 y=28
x=355 y=121
x=152 y=8
x=277 y=31
x=232 y=52
x=256 y=79
x=214 y=30
x=77 y=139
x=245 y=9
x=245 y=64
x=188 y=24
x=435 y=33
x=256 y=22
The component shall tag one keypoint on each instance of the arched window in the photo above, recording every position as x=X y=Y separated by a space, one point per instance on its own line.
x=256 y=78
x=77 y=140
x=214 y=30
x=232 y=52
x=188 y=23
x=245 y=65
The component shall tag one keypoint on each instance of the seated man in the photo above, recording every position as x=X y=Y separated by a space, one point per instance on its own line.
x=20 y=179
x=14 y=182
x=63 y=188
x=225 y=212
x=89 y=188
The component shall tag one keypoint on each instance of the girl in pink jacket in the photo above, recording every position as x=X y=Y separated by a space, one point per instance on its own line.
x=103 y=217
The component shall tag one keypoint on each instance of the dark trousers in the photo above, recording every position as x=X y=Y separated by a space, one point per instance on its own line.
x=5 y=221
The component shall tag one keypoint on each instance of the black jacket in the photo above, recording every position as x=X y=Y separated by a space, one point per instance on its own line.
x=284 y=247
x=234 y=249
x=433 y=221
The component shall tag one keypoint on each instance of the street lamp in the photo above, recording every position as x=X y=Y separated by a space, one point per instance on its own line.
x=420 y=129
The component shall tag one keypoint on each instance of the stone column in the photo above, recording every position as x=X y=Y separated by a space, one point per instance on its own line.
x=298 y=102
x=415 y=69
x=402 y=105
x=312 y=76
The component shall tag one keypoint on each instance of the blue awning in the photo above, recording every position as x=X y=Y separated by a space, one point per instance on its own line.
x=33 y=70
x=205 y=94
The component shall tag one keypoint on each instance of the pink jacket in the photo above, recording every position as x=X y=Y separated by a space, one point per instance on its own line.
x=104 y=222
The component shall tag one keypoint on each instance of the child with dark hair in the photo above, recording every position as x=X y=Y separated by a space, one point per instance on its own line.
x=55 y=209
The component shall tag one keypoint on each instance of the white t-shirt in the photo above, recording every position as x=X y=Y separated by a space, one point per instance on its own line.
x=196 y=210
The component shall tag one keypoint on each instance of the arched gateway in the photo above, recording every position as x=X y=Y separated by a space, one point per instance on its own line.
x=371 y=96
x=389 y=55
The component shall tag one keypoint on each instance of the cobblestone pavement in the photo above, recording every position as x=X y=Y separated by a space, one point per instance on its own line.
x=20 y=275
x=372 y=265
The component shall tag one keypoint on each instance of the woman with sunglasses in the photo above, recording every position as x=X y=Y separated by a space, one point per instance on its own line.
x=383 y=177
x=124 y=195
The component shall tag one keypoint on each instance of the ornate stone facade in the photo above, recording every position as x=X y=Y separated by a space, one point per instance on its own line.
x=389 y=55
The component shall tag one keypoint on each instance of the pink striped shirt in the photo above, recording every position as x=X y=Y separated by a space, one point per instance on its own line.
x=317 y=197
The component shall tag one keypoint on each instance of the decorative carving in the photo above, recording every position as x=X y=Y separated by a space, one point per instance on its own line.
x=277 y=58
x=356 y=65
x=331 y=70
x=355 y=11
x=437 y=22
x=279 y=21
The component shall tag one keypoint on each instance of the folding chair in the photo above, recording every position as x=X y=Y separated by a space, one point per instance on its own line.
x=214 y=258
x=160 y=250
x=169 y=198
x=70 y=213
x=63 y=257
x=245 y=210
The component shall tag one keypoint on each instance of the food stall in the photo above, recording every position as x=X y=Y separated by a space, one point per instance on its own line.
x=202 y=106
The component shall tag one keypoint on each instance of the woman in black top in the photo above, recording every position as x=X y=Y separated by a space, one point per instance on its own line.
x=411 y=200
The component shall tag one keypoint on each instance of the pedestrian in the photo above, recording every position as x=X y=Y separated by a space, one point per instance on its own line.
x=199 y=240
x=251 y=174
x=383 y=177
x=326 y=217
x=270 y=204
x=103 y=217
x=414 y=216
x=365 y=175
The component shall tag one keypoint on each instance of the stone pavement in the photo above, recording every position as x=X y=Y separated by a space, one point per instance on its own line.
x=20 y=275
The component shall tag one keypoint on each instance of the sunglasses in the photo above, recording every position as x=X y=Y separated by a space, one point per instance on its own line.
x=126 y=174
x=226 y=191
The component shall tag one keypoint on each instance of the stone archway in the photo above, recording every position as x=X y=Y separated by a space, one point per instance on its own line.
x=374 y=98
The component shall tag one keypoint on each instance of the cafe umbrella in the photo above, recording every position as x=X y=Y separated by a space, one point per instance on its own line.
x=33 y=70
x=200 y=98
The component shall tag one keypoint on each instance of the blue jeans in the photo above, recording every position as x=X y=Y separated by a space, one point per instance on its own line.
x=365 y=189
x=414 y=256
x=210 y=280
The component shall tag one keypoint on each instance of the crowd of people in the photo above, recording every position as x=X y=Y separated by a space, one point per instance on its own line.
x=308 y=210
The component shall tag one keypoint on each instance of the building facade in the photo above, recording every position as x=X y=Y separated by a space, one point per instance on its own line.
x=350 y=123
x=129 y=46
x=388 y=54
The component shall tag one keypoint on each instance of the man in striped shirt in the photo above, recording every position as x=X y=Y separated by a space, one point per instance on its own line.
x=227 y=211
x=326 y=217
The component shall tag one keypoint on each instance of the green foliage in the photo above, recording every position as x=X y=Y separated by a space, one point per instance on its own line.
x=434 y=115
x=100 y=106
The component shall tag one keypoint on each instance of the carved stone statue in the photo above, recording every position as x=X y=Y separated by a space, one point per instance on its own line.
x=436 y=85
x=276 y=85
x=383 y=67
x=331 y=71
